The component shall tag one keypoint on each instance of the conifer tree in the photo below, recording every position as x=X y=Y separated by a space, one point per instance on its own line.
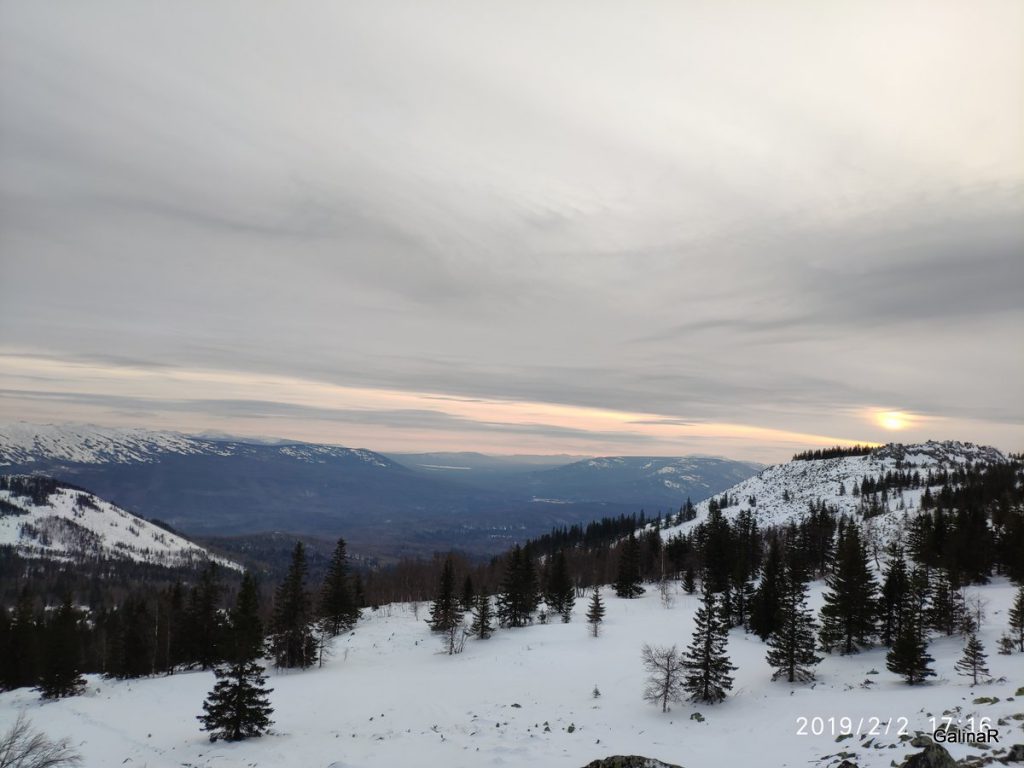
x=137 y=642
x=205 y=623
x=519 y=594
x=689 y=583
x=894 y=595
x=338 y=610
x=238 y=707
x=468 y=594
x=1006 y=645
x=292 y=642
x=972 y=663
x=848 y=618
x=909 y=656
x=245 y=639
x=61 y=674
x=445 y=612
x=22 y=663
x=947 y=611
x=765 y=604
x=482 y=626
x=176 y=648
x=560 y=594
x=5 y=647
x=707 y=665
x=627 y=583
x=1017 y=619
x=717 y=549
x=595 y=612
x=791 y=646
x=742 y=594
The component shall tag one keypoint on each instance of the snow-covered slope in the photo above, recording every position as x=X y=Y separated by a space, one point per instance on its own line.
x=387 y=697
x=782 y=492
x=70 y=524
x=22 y=443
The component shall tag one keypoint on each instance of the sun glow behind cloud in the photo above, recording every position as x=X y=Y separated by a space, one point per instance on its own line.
x=894 y=421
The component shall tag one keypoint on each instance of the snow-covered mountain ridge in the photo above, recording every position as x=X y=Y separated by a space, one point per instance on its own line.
x=783 y=492
x=22 y=443
x=56 y=521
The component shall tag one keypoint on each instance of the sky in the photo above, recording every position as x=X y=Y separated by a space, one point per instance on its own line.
x=660 y=228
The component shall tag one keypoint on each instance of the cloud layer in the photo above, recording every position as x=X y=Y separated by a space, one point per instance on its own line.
x=777 y=219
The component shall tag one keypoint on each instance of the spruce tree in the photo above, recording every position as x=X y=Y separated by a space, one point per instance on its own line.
x=292 y=641
x=894 y=595
x=468 y=594
x=445 y=612
x=948 y=610
x=718 y=548
x=238 y=707
x=482 y=626
x=137 y=642
x=1006 y=645
x=627 y=583
x=765 y=604
x=338 y=610
x=560 y=594
x=972 y=663
x=595 y=612
x=707 y=665
x=61 y=674
x=176 y=650
x=22 y=665
x=689 y=583
x=205 y=623
x=5 y=647
x=791 y=645
x=849 y=616
x=245 y=639
x=519 y=594
x=1017 y=619
x=909 y=656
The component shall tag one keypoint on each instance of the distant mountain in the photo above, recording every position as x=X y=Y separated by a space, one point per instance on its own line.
x=479 y=468
x=783 y=492
x=213 y=486
x=657 y=483
x=43 y=518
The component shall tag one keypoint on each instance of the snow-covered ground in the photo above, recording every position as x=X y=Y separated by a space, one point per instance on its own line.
x=387 y=697
x=77 y=525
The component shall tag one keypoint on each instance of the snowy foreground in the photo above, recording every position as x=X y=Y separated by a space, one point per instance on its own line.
x=387 y=697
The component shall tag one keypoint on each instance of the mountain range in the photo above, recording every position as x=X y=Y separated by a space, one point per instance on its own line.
x=214 y=486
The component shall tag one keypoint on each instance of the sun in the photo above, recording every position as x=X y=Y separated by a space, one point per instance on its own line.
x=893 y=420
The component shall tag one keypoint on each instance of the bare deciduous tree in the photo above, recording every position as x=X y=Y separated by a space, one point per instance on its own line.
x=664 y=675
x=666 y=589
x=23 y=747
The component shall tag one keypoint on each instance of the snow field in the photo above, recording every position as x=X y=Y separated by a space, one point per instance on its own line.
x=388 y=697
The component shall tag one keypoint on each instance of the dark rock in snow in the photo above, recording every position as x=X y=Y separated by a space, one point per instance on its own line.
x=932 y=756
x=1016 y=754
x=629 y=761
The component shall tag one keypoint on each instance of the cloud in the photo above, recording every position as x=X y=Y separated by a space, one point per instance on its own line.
x=709 y=213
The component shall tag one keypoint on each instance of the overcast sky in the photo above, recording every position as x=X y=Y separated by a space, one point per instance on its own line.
x=738 y=228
